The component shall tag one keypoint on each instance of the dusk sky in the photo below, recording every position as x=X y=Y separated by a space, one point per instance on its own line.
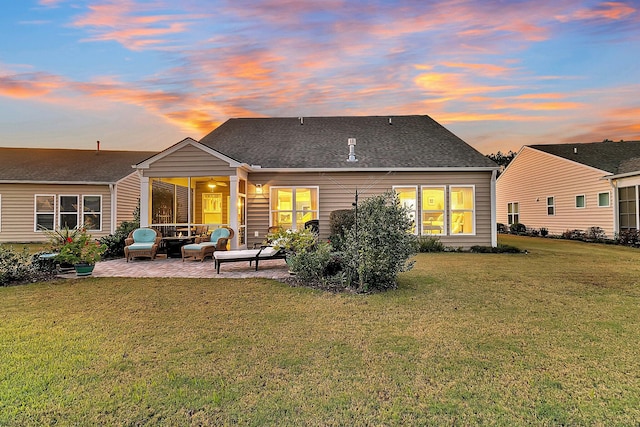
x=143 y=75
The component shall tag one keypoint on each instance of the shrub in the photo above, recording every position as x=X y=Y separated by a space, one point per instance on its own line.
x=596 y=233
x=379 y=244
x=311 y=265
x=430 y=244
x=628 y=238
x=115 y=242
x=517 y=228
x=500 y=249
x=501 y=228
x=14 y=266
x=340 y=221
x=574 y=234
x=544 y=232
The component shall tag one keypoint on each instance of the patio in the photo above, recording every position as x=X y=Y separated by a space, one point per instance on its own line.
x=174 y=267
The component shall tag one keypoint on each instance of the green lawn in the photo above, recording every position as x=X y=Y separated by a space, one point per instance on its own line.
x=547 y=338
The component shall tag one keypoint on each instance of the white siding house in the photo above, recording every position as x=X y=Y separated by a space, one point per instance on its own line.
x=564 y=187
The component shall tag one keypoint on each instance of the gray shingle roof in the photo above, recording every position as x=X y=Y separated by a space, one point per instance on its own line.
x=606 y=156
x=60 y=165
x=321 y=142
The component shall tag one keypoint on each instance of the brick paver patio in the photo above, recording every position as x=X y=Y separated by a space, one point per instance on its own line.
x=174 y=267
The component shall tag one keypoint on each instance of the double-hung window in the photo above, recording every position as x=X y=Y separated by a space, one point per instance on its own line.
x=462 y=204
x=45 y=211
x=92 y=212
x=551 y=206
x=409 y=200
x=433 y=210
x=68 y=211
x=581 y=201
x=513 y=213
x=292 y=207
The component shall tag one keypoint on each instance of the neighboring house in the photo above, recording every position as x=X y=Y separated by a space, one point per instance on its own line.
x=56 y=187
x=572 y=187
x=254 y=173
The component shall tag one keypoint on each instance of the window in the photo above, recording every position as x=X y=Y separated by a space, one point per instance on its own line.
x=45 y=210
x=291 y=207
x=92 y=212
x=408 y=199
x=603 y=200
x=627 y=208
x=513 y=213
x=580 y=201
x=462 y=203
x=68 y=211
x=433 y=210
x=551 y=207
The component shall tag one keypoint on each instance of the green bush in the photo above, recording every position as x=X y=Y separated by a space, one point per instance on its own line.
x=517 y=228
x=430 y=244
x=500 y=249
x=380 y=243
x=115 y=242
x=340 y=221
x=311 y=265
x=16 y=266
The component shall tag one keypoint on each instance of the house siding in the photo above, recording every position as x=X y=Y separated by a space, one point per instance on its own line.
x=128 y=194
x=337 y=191
x=188 y=161
x=534 y=175
x=18 y=208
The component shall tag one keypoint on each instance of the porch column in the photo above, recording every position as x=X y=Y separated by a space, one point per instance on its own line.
x=144 y=201
x=494 y=222
x=233 y=209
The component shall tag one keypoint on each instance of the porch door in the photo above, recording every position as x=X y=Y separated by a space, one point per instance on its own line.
x=212 y=208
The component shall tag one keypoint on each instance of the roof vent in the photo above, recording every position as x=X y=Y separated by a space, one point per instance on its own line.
x=97 y=146
x=301 y=120
x=390 y=121
x=352 y=150
x=575 y=150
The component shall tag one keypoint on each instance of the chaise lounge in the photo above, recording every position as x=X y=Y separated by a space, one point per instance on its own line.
x=142 y=243
x=251 y=255
x=205 y=246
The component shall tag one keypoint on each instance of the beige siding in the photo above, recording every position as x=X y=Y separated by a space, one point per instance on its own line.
x=128 y=194
x=533 y=176
x=188 y=161
x=337 y=191
x=18 y=216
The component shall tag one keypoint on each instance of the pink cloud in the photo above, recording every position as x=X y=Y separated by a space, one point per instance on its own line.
x=607 y=11
x=28 y=85
x=136 y=26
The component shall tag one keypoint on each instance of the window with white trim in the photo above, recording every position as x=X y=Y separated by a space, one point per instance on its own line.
x=551 y=206
x=45 y=211
x=292 y=207
x=92 y=212
x=68 y=211
x=513 y=213
x=581 y=201
x=462 y=207
x=409 y=200
x=604 y=200
x=433 y=210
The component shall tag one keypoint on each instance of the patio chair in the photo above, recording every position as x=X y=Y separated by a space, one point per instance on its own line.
x=142 y=243
x=205 y=246
x=251 y=255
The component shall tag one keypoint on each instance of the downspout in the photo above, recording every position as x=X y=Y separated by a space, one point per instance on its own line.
x=616 y=210
x=494 y=215
x=114 y=208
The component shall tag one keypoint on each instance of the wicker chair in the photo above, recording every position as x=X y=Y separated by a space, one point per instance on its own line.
x=142 y=243
x=206 y=246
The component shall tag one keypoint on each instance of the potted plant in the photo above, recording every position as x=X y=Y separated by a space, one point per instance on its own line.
x=77 y=248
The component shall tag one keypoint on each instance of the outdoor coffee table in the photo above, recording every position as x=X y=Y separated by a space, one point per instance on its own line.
x=173 y=245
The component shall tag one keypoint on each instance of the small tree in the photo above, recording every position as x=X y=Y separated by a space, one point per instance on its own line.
x=379 y=244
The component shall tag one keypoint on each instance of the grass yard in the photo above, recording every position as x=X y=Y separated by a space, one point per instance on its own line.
x=547 y=338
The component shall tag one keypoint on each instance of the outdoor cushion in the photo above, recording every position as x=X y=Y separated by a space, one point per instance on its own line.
x=144 y=235
x=250 y=255
x=197 y=246
x=140 y=246
x=218 y=233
